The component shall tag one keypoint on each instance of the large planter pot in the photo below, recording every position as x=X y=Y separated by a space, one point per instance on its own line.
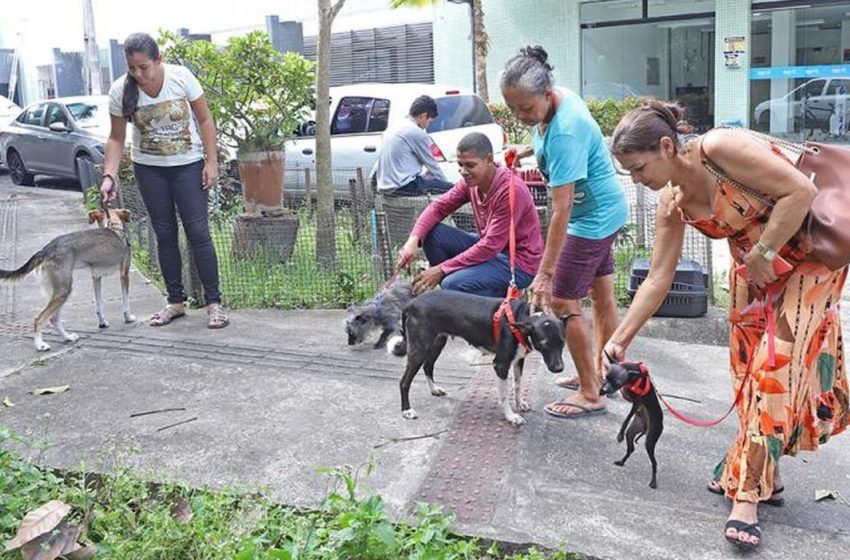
x=261 y=174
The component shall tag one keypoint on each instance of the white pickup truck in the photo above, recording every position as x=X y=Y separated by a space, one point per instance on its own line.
x=360 y=114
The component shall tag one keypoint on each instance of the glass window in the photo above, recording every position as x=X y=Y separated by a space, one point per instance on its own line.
x=598 y=11
x=89 y=115
x=795 y=54
x=666 y=60
x=32 y=116
x=56 y=115
x=460 y=111
x=356 y=115
x=661 y=8
x=838 y=87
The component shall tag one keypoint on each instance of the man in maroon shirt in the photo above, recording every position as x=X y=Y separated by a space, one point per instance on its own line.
x=477 y=264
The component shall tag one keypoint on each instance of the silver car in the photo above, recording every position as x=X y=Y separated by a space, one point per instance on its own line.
x=49 y=137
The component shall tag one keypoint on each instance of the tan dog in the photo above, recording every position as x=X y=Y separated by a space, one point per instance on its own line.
x=102 y=250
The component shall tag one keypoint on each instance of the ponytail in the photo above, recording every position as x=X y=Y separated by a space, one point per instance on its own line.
x=130 y=99
x=642 y=129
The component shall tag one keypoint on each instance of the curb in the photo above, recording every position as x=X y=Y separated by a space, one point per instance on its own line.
x=711 y=329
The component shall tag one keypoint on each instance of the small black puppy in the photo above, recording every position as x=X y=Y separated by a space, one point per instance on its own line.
x=432 y=317
x=632 y=379
x=381 y=312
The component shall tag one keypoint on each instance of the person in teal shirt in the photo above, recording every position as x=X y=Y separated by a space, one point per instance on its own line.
x=588 y=210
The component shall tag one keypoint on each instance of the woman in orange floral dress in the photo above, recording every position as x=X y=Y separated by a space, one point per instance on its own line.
x=785 y=332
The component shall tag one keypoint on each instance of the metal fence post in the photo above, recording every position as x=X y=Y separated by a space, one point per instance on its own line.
x=308 y=196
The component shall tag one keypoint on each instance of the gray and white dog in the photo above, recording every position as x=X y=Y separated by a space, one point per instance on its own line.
x=103 y=251
x=381 y=312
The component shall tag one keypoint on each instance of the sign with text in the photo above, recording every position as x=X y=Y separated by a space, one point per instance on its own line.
x=732 y=49
x=790 y=72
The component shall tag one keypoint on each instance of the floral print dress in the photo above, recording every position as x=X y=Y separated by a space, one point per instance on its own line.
x=795 y=397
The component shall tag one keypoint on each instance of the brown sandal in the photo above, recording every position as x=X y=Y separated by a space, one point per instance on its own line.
x=167 y=314
x=218 y=318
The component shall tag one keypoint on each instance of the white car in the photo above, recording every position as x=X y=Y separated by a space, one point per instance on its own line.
x=8 y=111
x=360 y=114
x=813 y=102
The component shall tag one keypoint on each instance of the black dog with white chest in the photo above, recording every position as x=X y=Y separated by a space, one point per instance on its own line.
x=647 y=418
x=434 y=316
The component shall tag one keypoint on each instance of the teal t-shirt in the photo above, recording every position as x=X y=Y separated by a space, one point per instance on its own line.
x=573 y=151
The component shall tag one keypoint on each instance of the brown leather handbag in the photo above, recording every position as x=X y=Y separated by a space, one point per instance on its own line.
x=826 y=230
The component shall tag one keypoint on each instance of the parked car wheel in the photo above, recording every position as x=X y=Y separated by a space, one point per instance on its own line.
x=18 y=170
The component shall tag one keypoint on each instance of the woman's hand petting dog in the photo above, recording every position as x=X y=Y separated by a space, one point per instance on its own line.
x=427 y=279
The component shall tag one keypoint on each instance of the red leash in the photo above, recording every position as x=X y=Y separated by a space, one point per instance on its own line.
x=514 y=293
x=643 y=385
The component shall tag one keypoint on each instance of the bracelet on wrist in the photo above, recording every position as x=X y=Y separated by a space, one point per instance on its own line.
x=766 y=252
x=111 y=177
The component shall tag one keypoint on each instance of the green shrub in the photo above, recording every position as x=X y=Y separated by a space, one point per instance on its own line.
x=608 y=112
x=517 y=132
x=257 y=95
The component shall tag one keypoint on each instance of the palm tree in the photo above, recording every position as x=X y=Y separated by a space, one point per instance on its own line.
x=481 y=42
x=325 y=232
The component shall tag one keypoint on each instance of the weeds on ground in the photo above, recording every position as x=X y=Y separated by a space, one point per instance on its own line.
x=126 y=516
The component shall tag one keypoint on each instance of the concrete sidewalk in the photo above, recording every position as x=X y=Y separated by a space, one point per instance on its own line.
x=278 y=394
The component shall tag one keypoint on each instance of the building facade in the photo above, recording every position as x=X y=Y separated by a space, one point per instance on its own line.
x=780 y=66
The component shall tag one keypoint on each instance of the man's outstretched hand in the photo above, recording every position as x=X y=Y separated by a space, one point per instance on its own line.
x=427 y=279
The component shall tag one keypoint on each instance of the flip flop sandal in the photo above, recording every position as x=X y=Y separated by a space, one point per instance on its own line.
x=165 y=316
x=774 y=500
x=218 y=318
x=751 y=529
x=567 y=383
x=585 y=410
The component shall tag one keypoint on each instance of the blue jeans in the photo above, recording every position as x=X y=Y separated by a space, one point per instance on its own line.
x=490 y=278
x=421 y=186
x=162 y=189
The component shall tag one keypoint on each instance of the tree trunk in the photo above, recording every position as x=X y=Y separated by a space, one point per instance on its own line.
x=325 y=231
x=481 y=45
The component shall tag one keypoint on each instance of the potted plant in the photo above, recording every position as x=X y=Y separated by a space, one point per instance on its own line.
x=257 y=96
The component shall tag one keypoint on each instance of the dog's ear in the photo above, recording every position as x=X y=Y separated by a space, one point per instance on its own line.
x=95 y=216
x=123 y=214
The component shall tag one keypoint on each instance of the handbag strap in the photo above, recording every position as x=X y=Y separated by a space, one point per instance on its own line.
x=722 y=176
x=777 y=144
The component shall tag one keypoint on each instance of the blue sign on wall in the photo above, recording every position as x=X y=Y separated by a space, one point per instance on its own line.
x=785 y=72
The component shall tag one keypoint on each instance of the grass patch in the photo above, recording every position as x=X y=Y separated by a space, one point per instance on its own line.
x=125 y=516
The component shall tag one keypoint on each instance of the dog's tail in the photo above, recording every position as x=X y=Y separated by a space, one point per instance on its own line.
x=29 y=266
x=397 y=345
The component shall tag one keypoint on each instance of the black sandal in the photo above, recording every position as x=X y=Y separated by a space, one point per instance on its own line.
x=774 y=500
x=751 y=529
